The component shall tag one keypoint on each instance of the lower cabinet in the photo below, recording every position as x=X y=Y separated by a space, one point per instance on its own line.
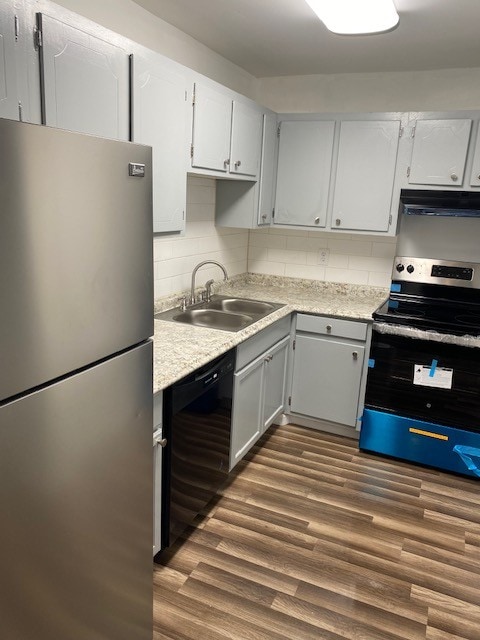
x=328 y=369
x=258 y=394
x=158 y=444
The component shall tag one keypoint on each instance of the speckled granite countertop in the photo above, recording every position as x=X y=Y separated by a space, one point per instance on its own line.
x=180 y=349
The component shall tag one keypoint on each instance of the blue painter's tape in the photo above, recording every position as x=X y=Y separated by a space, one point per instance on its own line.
x=395 y=288
x=470 y=457
x=433 y=367
x=371 y=363
x=393 y=304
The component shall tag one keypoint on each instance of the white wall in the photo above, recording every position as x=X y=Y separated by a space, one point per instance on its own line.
x=396 y=91
x=447 y=238
x=132 y=21
x=175 y=257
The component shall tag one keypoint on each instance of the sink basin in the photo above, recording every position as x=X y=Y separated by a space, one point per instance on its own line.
x=221 y=312
x=239 y=305
x=214 y=319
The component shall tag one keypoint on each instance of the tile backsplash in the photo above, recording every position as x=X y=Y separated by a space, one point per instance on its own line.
x=176 y=256
x=317 y=255
x=285 y=252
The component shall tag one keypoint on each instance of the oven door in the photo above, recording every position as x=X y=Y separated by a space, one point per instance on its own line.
x=426 y=380
x=422 y=403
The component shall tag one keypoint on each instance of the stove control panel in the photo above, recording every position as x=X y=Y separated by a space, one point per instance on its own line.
x=457 y=273
x=431 y=271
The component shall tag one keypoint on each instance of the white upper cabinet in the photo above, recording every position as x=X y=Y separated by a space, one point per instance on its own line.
x=303 y=175
x=227 y=133
x=367 y=157
x=160 y=116
x=439 y=152
x=9 y=95
x=267 y=169
x=245 y=204
x=85 y=81
x=18 y=91
x=212 y=121
x=246 y=139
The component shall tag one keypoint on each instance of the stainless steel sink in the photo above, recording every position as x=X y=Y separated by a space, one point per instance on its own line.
x=214 y=319
x=222 y=312
x=239 y=305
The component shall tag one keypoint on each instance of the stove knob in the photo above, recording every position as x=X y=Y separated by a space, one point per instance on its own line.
x=410 y=268
x=400 y=267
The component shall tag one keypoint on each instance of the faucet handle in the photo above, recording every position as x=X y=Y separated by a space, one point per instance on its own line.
x=183 y=303
x=208 y=290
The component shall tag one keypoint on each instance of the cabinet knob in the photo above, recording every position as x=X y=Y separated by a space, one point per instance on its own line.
x=355 y=355
x=226 y=162
x=268 y=358
x=161 y=441
x=264 y=216
x=328 y=328
x=238 y=163
x=454 y=177
x=317 y=220
x=338 y=222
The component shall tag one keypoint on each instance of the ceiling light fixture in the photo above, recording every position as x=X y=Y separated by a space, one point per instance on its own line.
x=355 y=17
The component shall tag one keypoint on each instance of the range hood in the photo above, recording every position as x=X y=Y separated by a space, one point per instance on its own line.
x=421 y=202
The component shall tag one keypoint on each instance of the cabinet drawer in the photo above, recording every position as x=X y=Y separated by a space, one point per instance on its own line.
x=257 y=344
x=332 y=327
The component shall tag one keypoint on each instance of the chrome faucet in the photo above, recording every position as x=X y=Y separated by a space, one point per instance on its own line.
x=210 y=282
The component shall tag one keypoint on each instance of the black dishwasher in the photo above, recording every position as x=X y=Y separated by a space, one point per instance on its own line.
x=196 y=421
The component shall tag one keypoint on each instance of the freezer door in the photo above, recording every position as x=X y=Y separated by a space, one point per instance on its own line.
x=76 y=282
x=76 y=498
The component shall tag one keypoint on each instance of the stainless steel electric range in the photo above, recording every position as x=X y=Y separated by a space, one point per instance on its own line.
x=423 y=388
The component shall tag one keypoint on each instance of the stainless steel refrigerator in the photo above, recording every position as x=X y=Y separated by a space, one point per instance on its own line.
x=76 y=295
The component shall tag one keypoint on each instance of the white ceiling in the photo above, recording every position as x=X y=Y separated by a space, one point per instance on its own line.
x=284 y=37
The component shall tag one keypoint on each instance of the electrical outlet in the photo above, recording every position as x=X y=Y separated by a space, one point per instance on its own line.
x=323 y=256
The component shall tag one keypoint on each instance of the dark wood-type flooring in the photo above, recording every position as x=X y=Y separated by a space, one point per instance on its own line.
x=312 y=539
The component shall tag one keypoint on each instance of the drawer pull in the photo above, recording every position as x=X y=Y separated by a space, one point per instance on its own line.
x=428 y=434
x=329 y=328
x=355 y=355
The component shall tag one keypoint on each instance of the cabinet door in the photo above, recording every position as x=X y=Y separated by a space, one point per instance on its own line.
x=246 y=139
x=274 y=384
x=85 y=81
x=8 y=76
x=212 y=120
x=303 y=176
x=267 y=169
x=326 y=379
x=439 y=152
x=159 y=120
x=475 y=176
x=247 y=412
x=367 y=157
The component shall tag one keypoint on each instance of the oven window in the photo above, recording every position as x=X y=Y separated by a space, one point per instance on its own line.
x=403 y=370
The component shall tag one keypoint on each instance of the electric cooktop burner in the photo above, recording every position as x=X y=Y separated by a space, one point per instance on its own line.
x=435 y=295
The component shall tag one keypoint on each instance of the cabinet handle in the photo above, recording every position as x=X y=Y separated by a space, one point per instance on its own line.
x=226 y=162
x=328 y=328
x=355 y=355
x=238 y=163
x=338 y=222
x=454 y=177
x=317 y=220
